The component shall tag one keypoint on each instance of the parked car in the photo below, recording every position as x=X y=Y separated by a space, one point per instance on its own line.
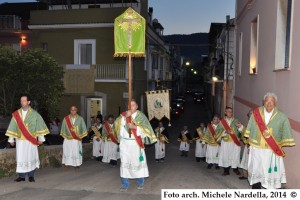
x=181 y=97
x=199 y=97
x=179 y=104
x=188 y=91
x=175 y=110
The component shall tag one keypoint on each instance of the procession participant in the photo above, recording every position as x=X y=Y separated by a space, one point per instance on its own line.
x=26 y=130
x=268 y=130
x=200 y=150
x=98 y=143
x=229 y=134
x=134 y=131
x=245 y=159
x=185 y=139
x=160 y=145
x=212 y=151
x=73 y=129
x=111 y=142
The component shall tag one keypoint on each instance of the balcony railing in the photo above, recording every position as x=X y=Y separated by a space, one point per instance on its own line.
x=111 y=73
x=10 y=22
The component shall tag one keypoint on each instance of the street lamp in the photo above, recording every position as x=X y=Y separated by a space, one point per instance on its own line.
x=214 y=79
x=195 y=72
x=192 y=69
x=187 y=63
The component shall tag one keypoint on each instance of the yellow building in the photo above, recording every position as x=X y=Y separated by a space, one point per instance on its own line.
x=81 y=38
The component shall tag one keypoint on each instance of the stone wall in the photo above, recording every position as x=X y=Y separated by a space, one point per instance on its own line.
x=50 y=156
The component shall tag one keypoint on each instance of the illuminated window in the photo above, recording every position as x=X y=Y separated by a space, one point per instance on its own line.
x=254 y=46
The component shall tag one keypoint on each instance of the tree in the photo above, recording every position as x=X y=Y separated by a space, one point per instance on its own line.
x=33 y=72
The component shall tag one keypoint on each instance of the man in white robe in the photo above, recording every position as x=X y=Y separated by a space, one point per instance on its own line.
x=111 y=154
x=212 y=151
x=133 y=130
x=268 y=130
x=230 y=142
x=73 y=129
x=185 y=139
x=98 y=143
x=200 y=150
x=245 y=159
x=160 y=145
x=26 y=130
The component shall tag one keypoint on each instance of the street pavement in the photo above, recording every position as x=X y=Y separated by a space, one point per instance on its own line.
x=97 y=180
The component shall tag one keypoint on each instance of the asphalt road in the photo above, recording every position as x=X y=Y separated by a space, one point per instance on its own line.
x=97 y=180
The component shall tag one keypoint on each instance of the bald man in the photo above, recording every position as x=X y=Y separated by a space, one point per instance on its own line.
x=73 y=129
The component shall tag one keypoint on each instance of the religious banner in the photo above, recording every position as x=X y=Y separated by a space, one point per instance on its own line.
x=129 y=30
x=158 y=104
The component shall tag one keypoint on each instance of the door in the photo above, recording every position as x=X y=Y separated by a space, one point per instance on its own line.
x=94 y=106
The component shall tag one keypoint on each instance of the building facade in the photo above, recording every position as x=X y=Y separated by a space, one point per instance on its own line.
x=14 y=20
x=81 y=38
x=267 y=59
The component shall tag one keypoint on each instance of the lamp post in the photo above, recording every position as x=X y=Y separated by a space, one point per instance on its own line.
x=186 y=64
x=213 y=65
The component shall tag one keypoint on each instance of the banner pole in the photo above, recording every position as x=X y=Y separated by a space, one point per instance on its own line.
x=129 y=80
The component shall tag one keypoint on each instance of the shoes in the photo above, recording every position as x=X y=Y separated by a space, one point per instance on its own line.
x=236 y=171
x=225 y=174
x=217 y=167
x=256 y=186
x=140 y=187
x=243 y=178
x=31 y=179
x=19 y=179
x=123 y=189
x=209 y=166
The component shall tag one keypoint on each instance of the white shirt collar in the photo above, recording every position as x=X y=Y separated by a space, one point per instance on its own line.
x=229 y=120
x=24 y=112
x=268 y=115
x=134 y=115
x=73 y=119
x=98 y=126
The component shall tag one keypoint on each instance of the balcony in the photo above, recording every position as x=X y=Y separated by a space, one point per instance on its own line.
x=111 y=73
x=10 y=23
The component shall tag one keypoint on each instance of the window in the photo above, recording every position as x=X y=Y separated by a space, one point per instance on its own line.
x=283 y=34
x=44 y=46
x=240 y=54
x=254 y=46
x=85 y=52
